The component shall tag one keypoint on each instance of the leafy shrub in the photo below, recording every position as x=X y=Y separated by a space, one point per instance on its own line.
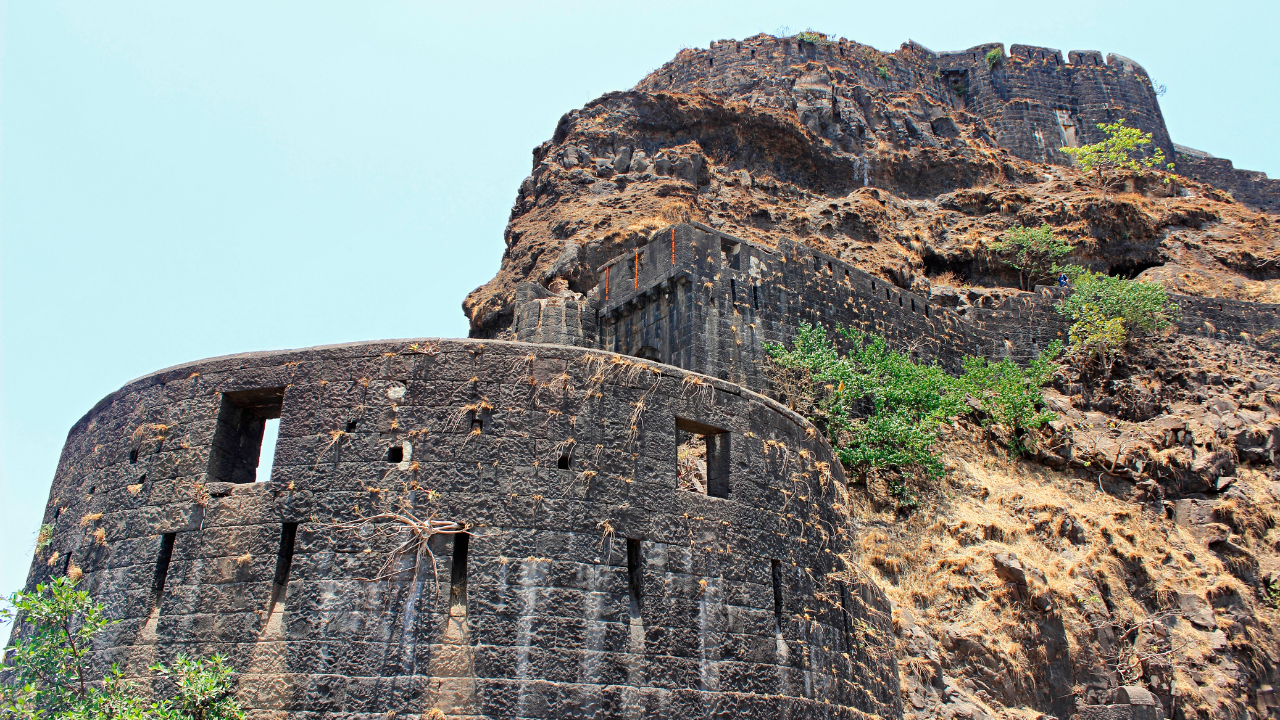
x=1107 y=312
x=1033 y=252
x=994 y=56
x=1124 y=149
x=1009 y=395
x=1145 y=307
x=47 y=675
x=884 y=72
x=815 y=37
x=881 y=410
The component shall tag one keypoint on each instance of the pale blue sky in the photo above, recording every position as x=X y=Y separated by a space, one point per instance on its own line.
x=182 y=180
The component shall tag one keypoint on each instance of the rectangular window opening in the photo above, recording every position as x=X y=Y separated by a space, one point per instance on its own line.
x=776 y=567
x=458 y=575
x=284 y=562
x=162 y=568
x=634 y=577
x=241 y=429
x=729 y=254
x=702 y=458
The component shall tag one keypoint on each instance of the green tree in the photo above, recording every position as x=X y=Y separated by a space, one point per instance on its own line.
x=1108 y=312
x=47 y=669
x=46 y=673
x=1033 y=252
x=1124 y=149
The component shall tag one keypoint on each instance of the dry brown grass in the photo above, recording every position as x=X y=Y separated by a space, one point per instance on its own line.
x=1124 y=574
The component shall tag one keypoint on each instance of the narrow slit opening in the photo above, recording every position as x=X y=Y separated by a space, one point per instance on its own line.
x=458 y=575
x=284 y=562
x=133 y=456
x=563 y=462
x=267 y=455
x=162 y=568
x=351 y=426
x=777 y=594
x=634 y=579
x=844 y=613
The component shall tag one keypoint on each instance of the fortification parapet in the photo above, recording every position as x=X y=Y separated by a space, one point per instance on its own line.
x=592 y=573
x=709 y=302
x=1084 y=58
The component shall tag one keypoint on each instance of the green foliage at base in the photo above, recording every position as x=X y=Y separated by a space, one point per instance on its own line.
x=882 y=410
x=46 y=673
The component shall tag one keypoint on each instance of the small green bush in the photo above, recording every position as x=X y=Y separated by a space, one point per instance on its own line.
x=994 y=56
x=1124 y=149
x=884 y=72
x=815 y=37
x=1108 y=312
x=882 y=410
x=1033 y=252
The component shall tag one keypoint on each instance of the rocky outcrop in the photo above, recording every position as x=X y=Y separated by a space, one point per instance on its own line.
x=871 y=158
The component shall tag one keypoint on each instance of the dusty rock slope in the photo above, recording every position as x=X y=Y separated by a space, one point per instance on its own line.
x=1137 y=546
x=890 y=171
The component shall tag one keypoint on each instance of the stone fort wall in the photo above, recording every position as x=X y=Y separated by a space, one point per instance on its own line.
x=1033 y=101
x=586 y=583
x=709 y=302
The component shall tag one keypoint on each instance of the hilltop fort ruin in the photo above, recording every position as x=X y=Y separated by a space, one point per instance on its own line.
x=664 y=235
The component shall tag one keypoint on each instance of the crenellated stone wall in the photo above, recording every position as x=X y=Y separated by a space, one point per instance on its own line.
x=709 y=302
x=1033 y=102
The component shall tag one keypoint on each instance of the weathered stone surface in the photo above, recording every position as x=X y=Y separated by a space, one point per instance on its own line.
x=590 y=579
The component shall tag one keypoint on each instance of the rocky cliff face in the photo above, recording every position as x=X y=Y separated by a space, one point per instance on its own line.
x=897 y=163
x=1138 y=547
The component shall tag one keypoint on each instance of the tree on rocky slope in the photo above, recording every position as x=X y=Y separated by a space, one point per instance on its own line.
x=1124 y=149
x=1108 y=312
x=1033 y=252
x=47 y=672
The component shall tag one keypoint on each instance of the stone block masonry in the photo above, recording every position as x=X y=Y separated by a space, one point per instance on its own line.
x=706 y=301
x=586 y=584
x=1032 y=100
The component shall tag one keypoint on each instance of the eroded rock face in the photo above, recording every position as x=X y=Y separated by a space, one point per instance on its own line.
x=876 y=159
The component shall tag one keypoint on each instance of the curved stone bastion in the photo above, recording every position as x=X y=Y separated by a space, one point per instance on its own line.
x=586 y=582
